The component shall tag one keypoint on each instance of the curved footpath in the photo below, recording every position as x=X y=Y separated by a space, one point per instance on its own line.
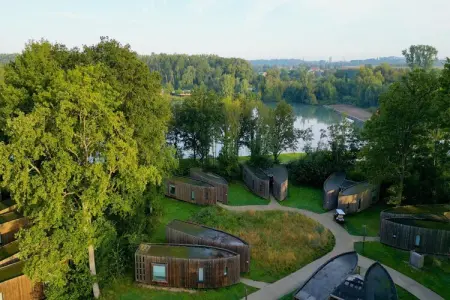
x=344 y=243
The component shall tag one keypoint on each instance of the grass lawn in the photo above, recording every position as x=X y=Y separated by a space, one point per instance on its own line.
x=434 y=275
x=171 y=209
x=9 y=250
x=370 y=217
x=281 y=242
x=284 y=157
x=239 y=194
x=304 y=197
x=125 y=289
x=404 y=294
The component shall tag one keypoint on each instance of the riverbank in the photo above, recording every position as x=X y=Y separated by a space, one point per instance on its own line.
x=352 y=112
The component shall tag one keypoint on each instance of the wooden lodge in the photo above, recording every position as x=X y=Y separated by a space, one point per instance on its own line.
x=190 y=190
x=348 y=195
x=182 y=232
x=219 y=183
x=266 y=182
x=424 y=236
x=186 y=266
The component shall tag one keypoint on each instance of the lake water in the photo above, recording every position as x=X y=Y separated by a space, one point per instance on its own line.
x=308 y=116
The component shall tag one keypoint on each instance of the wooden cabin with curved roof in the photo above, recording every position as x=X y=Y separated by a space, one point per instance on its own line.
x=219 y=183
x=348 y=195
x=190 y=190
x=266 y=182
x=186 y=266
x=182 y=232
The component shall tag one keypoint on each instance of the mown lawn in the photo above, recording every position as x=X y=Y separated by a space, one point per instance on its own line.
x=435 y=274
x=284 y=157
x=369 y=217
x=125 y=289
x=304 y=197
x=239 y=194
x=168 y=210
x=281 y=242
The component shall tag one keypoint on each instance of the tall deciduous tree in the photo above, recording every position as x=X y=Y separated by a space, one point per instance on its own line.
x=282 y=134
x=395 y=135
x=420 y=56
x=75 y=153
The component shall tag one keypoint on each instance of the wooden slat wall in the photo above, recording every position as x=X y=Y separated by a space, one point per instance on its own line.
x=432 y=241
x=254 y=183
x=174 y=236
x=9 y=229
x=330 y=199
x=183 y=273
x=349 y=203
x=221 y=189
x=19 y=288
x=280 y=189
x=183 y=192
x=8 y=209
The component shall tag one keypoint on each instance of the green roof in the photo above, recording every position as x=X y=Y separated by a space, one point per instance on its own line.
x=9 y=216
x=423 y=223
x=11 y=271
x=9 y=250
x=191 y=181
x=183 y=251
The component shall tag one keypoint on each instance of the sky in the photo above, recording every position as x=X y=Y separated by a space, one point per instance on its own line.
x=251 y=29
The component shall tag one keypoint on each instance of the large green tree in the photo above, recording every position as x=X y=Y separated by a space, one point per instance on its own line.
x=398 y=131
x=282 y=133
x=76 y=155
x=420 y=56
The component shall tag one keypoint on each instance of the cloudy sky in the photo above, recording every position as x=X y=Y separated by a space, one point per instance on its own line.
x=310 y=29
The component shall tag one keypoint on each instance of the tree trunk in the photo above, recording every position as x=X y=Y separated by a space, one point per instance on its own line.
x=95 y=287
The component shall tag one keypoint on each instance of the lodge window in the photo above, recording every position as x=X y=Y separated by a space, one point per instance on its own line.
x=253 y=184
x=159 y=272
x=261 y=187
x=225 y=272
x=206 y=194
x=348 y=205
x=359 y=203
x=417 y=241
x=200 y=275
x=192 y=195
x=172 y=189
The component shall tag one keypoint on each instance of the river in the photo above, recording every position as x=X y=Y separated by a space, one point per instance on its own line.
x=308 y=116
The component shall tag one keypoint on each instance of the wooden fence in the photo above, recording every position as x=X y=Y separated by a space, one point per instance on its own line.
x=9 y=229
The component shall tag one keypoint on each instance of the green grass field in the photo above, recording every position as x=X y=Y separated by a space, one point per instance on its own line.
x=171 y=209
x=434 y=275
x=304 y=197
x=125 y=289
x=284 y=157
x=239 y=194
x=281 y=242
x=369 y=217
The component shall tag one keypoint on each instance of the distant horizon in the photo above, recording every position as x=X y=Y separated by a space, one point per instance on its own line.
x=249 y=29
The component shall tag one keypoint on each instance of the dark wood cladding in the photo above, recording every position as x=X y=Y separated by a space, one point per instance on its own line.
x=280 y=189
x=9 y=229
x=220 y=185
x=179 y=237
x=184 y=272
x=403 y=236
x=203 y=194
x=256 y=184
